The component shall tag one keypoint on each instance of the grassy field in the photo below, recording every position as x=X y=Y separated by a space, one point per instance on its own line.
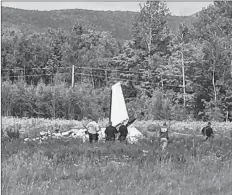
x=33 y=125
x=189 y=166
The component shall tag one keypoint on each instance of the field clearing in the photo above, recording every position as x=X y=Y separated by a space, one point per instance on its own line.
x=71 y=167
x=189 y=166
x=33 y=126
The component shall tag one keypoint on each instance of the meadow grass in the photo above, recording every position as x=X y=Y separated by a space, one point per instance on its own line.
x=33 y=126
x=189 y=166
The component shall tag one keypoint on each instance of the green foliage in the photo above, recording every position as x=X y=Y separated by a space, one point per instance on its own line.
x=49 y=101
x=61 y=101
x=213 y=30
x=149 y=25
x=150 y=65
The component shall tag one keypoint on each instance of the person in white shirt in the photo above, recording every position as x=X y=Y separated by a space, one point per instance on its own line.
x=92 y=130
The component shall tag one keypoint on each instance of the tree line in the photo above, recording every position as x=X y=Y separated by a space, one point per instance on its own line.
x=150 y=65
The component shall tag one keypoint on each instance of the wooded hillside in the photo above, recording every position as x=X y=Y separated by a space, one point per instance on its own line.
x=148 y=52
x=119 y=23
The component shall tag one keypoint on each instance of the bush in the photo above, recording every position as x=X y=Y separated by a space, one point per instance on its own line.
x=60 y=101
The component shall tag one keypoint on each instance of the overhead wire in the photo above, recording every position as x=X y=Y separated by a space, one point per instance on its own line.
x=83 y=74
x=91 y=68
x=45 y=68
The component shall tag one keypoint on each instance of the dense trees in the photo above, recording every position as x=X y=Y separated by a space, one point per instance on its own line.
x=150 y=65
x=213 y=30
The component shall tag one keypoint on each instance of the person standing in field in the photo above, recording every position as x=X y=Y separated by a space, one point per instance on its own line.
x=123 y=129
x=163 y=136
x=153 y=131
x=92 y=130
x=110 y=132
x=123 y=132
x=208 y=132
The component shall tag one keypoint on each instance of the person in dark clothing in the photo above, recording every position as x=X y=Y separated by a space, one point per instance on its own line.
x=208 y=132
x=110 y=132
x=123 y=132
x=123 y=129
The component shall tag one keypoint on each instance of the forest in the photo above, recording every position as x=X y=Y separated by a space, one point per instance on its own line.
x=118 y=23
x=175 y=68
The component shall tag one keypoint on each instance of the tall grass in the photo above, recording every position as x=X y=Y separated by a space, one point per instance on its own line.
x=71 y=167
x=189 y=166
x=32 y=126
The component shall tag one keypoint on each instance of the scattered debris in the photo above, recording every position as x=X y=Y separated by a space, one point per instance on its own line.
x=133 y=135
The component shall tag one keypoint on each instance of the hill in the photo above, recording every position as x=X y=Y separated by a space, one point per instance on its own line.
x=119 y=23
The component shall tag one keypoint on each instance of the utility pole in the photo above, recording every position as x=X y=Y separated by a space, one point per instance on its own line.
x=162 y=84
x=54 y=92
x=72 y=76
x=227 y=115
x=183 y=75
x=231 y=68
x=106 y=76
x=24 y=70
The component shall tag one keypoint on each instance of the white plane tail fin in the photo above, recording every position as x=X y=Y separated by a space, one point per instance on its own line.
x=118 y=112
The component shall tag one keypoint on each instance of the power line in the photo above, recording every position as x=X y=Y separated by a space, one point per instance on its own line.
x=88 y=68
x=18 y=69
x=89 y=75
x=81 y=74
x=29 y=75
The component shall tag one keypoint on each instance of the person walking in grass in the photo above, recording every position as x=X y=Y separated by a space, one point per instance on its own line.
x=92 y=130
x=111 y=132
x=208 y=132
x=163 y=136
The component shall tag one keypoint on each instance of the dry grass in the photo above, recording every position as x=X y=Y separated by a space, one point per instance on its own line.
x=60 y=167
x=33 y=125
x=57 y=167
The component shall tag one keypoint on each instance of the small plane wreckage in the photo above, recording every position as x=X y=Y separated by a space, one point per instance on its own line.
x=118 y=115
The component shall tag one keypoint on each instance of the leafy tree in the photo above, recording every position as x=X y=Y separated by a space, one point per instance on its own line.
x=151 y=38
x=213 y=30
